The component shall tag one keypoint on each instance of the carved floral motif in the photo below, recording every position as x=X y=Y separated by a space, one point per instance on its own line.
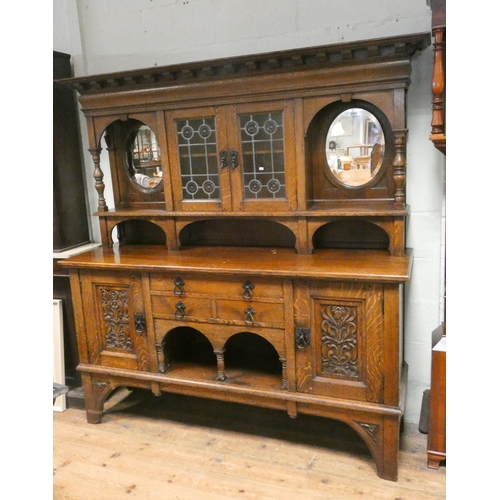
x=371 y=429
x=339 y=340
x=114 y=305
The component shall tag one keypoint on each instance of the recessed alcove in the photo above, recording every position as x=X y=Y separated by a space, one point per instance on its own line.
x=251 y=352
x=138 y=232
x=351 y=234
x=131 y=147
x=349 y=150
x=187 y=346
x=237 y=232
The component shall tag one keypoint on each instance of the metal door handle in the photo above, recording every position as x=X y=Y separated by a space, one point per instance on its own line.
x=180 y=310
x=249 y=314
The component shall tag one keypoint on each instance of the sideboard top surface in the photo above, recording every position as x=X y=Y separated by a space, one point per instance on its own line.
x=351 y=265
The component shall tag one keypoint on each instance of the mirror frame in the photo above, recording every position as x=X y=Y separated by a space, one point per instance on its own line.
x=129 y=141
x=335 y=110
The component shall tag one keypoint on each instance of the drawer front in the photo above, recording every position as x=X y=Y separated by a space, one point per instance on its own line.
x=237 y=287
x=251 y=313
x=174 y=307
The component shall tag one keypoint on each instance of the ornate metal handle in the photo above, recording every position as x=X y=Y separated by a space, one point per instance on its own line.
x=140 y=323
x=180 y=310
x=178 y=290
x=234 y=159
x=223 y=159
x=249 y=314
x=247 y=294
x=302 y=337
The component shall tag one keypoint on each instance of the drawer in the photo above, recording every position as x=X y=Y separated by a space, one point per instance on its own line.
x=167 y=306
x=215 y=286
x=251 y=312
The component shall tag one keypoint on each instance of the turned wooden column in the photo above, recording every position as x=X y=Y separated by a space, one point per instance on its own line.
x=438 y=83
x=399 y=166
x=221 y=368
x=98 y=176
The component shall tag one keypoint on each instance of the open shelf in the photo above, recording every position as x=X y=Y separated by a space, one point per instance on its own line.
x=237 y=232
x=350 y=233
x=249 y=359
x=187 y=345
x=235 y=376
x=140 y=232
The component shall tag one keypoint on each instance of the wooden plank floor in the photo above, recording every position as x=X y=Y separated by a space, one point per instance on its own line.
x=179 y=448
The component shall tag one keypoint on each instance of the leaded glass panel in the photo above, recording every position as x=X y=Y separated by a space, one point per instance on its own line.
x=198 y=159
x=263 y=156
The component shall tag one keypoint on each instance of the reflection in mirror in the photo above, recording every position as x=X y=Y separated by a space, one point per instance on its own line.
x=355 y=147
x=145 y=165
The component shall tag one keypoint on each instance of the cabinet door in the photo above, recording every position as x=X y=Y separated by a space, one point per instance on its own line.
x=116 y=331
x=199 y=159
x=261 y=139
x=345 y=355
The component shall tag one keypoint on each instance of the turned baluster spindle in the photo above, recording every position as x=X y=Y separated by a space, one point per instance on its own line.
x=98 y=176
x=221 y=368
x=399 y=168
x=438 y=83
x=284 y=380
x=161 y=358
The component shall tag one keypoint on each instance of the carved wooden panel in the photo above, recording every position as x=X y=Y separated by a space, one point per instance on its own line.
x=345 y=356
x=115 y=308
x=114 y=305
x=339 y=341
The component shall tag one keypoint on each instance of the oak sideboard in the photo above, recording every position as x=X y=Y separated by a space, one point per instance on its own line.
x=254 y=250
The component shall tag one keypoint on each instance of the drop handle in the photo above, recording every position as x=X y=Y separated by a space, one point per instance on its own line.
x=248 y=287
x=249 y=314
x=302 y=337
x=178 y=286
x=140 y=323
x=180 y=310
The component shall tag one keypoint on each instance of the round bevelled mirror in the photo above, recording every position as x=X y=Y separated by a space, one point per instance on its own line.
x=355 y=146
x=144 y=158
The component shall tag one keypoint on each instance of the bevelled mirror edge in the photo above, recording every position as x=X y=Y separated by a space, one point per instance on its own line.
x=355 y=147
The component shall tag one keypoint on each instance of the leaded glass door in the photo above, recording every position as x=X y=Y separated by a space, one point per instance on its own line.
x=262 y=134
x=233 y=158
x=197 y=141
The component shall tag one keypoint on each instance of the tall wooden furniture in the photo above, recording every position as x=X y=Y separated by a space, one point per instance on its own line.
x=438 y=123
x=436 y=439
x=248 y=267
x=70 y=221
x=436 y=447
